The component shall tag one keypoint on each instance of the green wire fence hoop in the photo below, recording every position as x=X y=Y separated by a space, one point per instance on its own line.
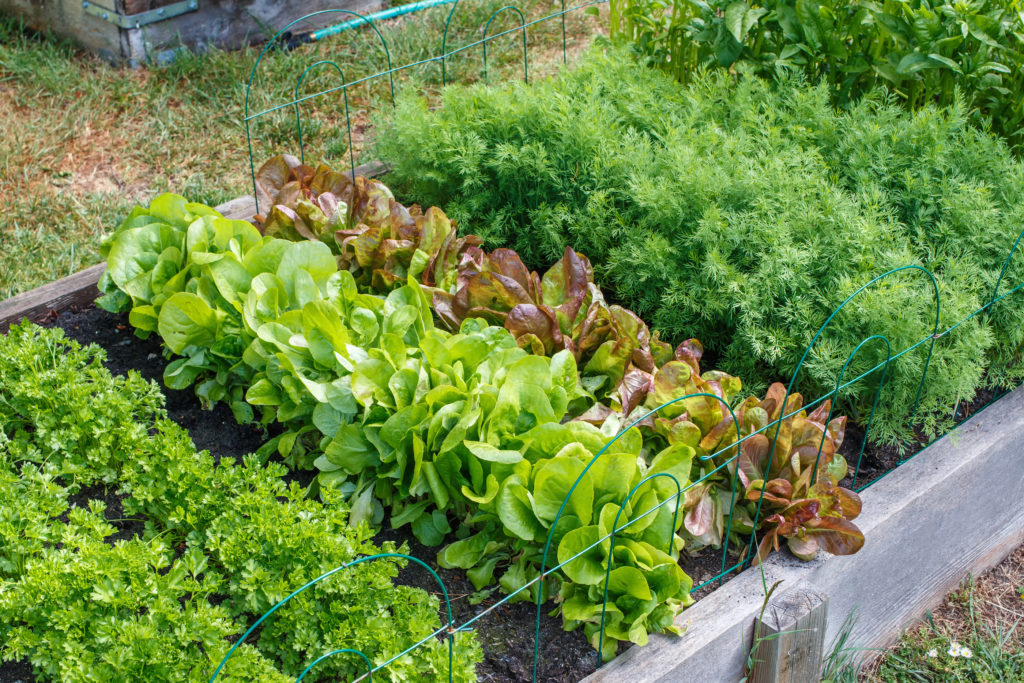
x=449 y=629
x=789 y=389
x=522 y=21
x=1006 y=265
x=565 y=501
x=995 y=297
x=271 y=43
x=611 y=549
x=565 y=58
x=874 y=404
x=298 y=115
x=344 y=650
x=444 y=43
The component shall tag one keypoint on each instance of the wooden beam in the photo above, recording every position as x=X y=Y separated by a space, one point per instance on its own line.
x=74 y=290
x=789 y=638
x=371 y=169
x=240 y=209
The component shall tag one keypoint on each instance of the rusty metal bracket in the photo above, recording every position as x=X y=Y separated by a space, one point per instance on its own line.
x=142 y=18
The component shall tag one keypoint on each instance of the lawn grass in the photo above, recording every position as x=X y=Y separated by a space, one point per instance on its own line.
x=84 y=141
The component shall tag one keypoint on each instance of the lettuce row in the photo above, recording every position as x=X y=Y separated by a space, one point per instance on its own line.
x=463 y=426
x=383 y=243
x=472 y=425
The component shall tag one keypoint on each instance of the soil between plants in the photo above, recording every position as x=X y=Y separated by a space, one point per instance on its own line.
x=16 y=672
x=879 y=459
x=506 y=633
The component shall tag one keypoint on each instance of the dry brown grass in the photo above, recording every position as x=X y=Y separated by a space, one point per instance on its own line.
x=84 y=141
x=986 y=611
x=993 y=600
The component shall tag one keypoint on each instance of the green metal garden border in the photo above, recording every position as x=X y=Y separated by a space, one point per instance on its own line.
x=283 y=36
x=727 y=454
x=449 y=629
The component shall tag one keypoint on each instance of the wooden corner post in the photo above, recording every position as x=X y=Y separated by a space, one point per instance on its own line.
x=789 y=638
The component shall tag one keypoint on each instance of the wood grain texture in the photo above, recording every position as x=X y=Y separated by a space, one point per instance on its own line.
x=75 y=290
x=790 y=638
x=952 y=510
x=68 y=19
x=242 y=208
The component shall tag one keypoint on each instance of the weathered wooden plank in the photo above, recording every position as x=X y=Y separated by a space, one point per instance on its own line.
x=67 y=18
x=242 y=208
x=229 y=24
x=371 y=169
x=952 y=510
x=789 y=638
x=74 y=290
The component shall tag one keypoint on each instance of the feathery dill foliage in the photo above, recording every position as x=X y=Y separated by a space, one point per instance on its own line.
x=742 y=213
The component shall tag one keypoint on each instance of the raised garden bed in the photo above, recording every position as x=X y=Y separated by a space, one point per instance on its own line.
x=898 y=513
x=136 y=31
x=960 y=479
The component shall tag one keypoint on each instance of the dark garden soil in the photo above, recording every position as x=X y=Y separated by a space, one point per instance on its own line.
x=878 y=459
x=127 y=528
x=16 y=672
x=213 y=430
x=507 y=633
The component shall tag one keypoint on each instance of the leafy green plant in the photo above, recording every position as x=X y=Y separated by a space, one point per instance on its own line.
x=265 y=551
x=221 y=544
x=25 y=525
x=743 y=213
x=924 y=51
x=382 y=243
x=468 y=425
x=61 y=409
x=82 y=609
x=202 y=282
